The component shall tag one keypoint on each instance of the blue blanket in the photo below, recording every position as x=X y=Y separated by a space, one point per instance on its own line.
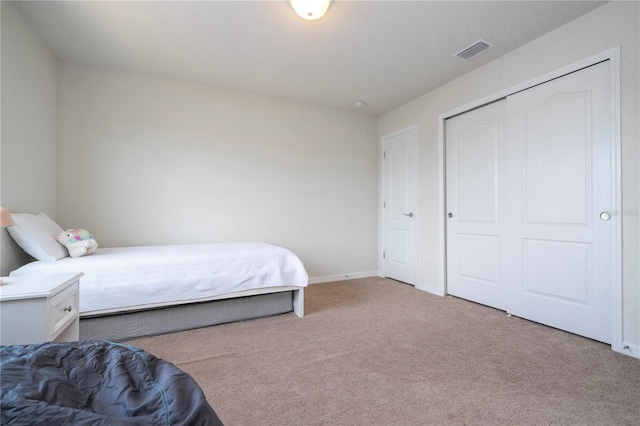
x=97 y=383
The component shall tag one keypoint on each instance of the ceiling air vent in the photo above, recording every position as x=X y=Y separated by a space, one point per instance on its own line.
x=473 y=50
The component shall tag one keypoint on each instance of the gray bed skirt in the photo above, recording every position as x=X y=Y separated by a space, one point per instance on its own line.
x=131 y=325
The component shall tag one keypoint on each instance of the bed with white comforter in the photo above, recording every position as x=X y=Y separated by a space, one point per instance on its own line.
x=131 y=279
x=125 y=278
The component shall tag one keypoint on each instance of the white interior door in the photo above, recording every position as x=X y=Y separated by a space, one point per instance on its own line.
x=400 y=202
x=476 y=167
x=560 y=200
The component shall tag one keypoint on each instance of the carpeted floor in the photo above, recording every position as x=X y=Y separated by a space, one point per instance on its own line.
x=377 y=352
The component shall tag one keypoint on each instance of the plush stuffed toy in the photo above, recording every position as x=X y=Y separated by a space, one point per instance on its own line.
x=79 y=242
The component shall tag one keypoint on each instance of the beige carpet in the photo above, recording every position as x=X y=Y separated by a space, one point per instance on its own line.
x=378 y=352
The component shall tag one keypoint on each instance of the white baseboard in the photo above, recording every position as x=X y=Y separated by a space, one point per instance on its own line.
x=631 y=350
x=343 y=277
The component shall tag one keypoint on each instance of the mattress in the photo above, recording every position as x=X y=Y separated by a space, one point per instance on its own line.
x=128 y=277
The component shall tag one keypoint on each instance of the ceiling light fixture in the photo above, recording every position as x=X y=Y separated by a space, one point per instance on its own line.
x=359 y=104
x=310 y=9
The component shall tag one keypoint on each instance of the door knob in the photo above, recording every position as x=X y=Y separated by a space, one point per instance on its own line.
x=605 y=216
x=450 y=215
x=408 y=214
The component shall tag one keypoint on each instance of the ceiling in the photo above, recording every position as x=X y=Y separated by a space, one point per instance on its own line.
x=383 y=52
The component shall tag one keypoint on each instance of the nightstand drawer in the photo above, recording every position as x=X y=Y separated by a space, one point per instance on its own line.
x=63 y=307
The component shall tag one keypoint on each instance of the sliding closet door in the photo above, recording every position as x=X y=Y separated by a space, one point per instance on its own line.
x=476 y=164
x=559 y=199
x=529 y=193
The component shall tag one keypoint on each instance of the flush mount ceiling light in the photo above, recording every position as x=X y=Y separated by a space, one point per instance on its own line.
x=359 y=104
x=310 y=9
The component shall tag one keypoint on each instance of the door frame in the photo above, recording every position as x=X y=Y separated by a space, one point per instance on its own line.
x=383 y=189
x=613 y=56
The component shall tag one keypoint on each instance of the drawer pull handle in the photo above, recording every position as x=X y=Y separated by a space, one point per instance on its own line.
x=68 y=309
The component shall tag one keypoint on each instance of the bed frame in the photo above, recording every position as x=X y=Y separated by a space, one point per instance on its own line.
x=149 y=320
x=125 y=323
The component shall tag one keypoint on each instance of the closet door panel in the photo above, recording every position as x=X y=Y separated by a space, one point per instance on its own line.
x=559 y=175
x=475 y=162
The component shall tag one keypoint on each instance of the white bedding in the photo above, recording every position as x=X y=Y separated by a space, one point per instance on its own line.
x=126 y=277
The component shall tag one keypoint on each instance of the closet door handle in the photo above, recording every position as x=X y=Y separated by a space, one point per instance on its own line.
x=410 y=214
x=605 y=216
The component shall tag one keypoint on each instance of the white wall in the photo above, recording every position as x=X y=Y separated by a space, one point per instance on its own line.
x=149 y=160
x=611 y=25
x=28 y=145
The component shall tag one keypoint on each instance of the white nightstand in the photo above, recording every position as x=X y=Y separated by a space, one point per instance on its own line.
x=39 y=308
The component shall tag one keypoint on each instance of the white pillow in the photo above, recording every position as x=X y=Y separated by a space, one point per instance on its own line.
x=36 y=234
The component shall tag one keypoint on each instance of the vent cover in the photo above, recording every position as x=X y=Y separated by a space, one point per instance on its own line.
x=473 y=50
